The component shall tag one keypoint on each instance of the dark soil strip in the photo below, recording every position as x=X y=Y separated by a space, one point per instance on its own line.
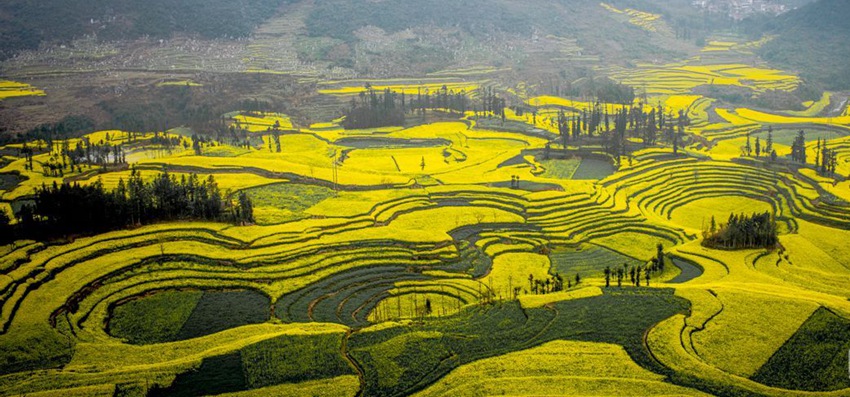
x=221 y=310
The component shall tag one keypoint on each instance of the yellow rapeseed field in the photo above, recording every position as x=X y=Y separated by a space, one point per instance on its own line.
x=644 y=20
x=559 y=368
x=11 y=89
x=744 y=115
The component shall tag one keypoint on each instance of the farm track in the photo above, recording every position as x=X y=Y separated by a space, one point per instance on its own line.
x=361 y=376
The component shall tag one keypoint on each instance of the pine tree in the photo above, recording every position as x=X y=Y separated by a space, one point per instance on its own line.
x=246 y=209
x=768 y=146
x=660 y=256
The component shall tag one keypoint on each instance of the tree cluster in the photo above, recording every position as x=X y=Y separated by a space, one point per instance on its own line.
x=826 y=159
x=742 y=232
x=388 y=108
x=798 y=148
x=646 y=123
x=545 y=286
x=70 y=209
x=375 y=110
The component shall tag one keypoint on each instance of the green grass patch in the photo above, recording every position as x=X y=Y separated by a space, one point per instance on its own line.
x=593 y=169
x=282 y=202
x=9 y=181
x=290 y=359
x=217 y=311
x=814 y=358
x=402 y=360
x=589 y=260
x=787 y=136
x=224 y=151
x=560 y=169
x=35 y=348
x=154 y=318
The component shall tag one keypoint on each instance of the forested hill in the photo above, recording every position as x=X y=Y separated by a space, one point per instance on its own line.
x=813 y=41
x=24 y=24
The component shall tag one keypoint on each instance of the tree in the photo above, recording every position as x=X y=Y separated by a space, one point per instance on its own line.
x=5 y=228
x=246 y=209
x=607 y=276
x=713 y=226
x=758 y=147
x=660 y=256
x=196 y=144
x=768 y=146
x=818 y=153
x=422 y=164
x=680 y=130
x=798 y=148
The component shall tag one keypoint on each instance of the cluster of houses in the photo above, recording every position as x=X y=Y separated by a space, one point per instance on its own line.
x=740 y=9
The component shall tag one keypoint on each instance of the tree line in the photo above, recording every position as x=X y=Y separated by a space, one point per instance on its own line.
x=636 y=273
x=72 y=209
x=67 y=127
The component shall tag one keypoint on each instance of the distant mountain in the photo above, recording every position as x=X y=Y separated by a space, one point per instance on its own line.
x=25 y=24
x=814 y=40
x=616 y=30
x=394 y=32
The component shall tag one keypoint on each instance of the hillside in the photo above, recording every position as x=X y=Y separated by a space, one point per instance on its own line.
x=605 y=29
x=25 y=24
x=813 y=41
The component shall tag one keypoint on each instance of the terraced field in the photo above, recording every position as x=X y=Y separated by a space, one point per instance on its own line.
x=448 y=258
x=12 y=89
x=682 y=77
